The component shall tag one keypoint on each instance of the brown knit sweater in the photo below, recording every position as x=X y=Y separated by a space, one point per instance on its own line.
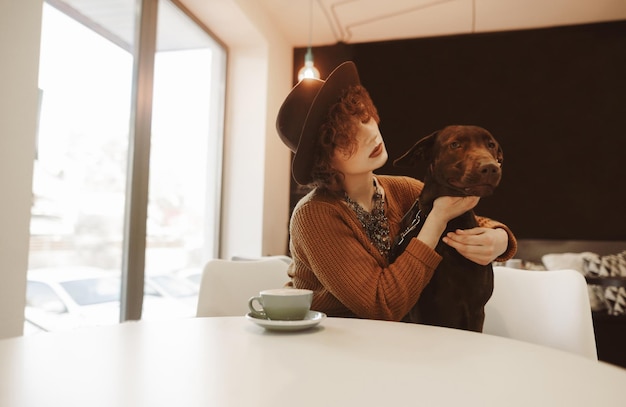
x=333 y=256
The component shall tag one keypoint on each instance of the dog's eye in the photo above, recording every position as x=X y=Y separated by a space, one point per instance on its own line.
x=491 y=144
x=455 y=145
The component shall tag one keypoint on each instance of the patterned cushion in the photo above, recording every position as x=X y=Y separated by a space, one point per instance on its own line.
x=613 y=265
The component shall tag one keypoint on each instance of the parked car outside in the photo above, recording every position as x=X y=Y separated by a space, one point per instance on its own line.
x=63 y=298
x=192 y=275
x=169 y=285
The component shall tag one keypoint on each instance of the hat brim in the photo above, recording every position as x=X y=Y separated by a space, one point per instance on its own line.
x=343 y=77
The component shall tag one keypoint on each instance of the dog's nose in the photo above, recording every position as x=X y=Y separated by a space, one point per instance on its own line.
x=489 y=168
x=489 y=172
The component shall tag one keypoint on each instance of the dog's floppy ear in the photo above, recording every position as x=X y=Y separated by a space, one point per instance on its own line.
x=421 y=152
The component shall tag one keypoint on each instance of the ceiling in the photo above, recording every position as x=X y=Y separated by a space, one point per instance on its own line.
x=357 y=21
x=327 y=22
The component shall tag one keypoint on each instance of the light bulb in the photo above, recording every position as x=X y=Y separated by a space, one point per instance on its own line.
x=308 y=70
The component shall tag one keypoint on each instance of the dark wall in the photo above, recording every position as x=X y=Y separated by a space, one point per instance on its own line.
x=554 y=98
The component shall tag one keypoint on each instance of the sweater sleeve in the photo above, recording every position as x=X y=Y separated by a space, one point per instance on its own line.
x=334 y=257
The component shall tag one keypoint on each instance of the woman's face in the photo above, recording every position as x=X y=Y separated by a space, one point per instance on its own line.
x=369 y=154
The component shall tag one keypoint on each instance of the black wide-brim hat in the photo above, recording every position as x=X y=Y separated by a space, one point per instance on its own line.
x=304 y=111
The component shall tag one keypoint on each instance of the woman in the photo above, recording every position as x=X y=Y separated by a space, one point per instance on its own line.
x=342 y=230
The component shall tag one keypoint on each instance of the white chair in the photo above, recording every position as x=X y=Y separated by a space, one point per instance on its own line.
x=548 y=308
x=282 y=257
x=226 y=285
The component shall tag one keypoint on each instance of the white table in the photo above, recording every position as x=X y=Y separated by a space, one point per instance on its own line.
x=343 y=362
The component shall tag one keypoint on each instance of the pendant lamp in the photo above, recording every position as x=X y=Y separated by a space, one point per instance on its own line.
x=309 y=70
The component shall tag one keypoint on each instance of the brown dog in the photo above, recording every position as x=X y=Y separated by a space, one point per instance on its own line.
x=462 y=161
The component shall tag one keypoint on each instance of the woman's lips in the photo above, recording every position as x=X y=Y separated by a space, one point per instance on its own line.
x=377 y=151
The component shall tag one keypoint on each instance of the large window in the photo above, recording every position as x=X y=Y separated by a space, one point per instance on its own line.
x=85 y=151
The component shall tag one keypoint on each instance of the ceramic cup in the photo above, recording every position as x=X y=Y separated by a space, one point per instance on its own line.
x=287 y=304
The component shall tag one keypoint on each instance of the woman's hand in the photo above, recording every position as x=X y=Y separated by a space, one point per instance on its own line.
x=480 y=245
x=446 y=208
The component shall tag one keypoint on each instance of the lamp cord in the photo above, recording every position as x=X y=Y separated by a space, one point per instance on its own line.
x=310 y=22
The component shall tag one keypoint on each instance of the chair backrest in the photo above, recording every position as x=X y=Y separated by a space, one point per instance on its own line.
x=227 y=285
x=282 y=257
x=548 y=308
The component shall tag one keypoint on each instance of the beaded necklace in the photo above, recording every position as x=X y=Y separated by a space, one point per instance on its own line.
x=375 y=223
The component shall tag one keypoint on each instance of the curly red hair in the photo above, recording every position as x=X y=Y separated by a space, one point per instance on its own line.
x=339 y=132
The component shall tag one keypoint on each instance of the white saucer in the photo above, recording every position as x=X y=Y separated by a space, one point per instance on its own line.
x=312 y=319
